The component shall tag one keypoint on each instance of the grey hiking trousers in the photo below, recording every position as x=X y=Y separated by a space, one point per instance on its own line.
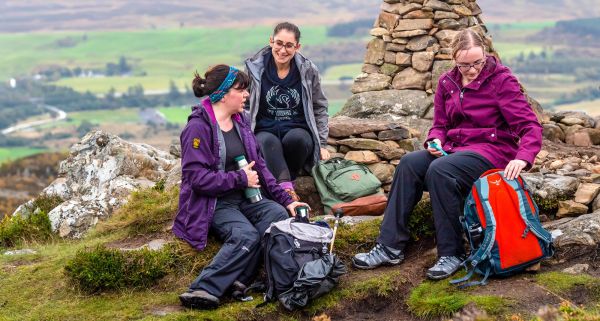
x=241 y=226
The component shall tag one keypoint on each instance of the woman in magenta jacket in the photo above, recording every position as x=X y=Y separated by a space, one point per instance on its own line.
x=483 y=121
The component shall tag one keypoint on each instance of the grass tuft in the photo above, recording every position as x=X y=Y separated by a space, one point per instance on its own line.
x=147 y=211
x=441 y=299
x=562 y=283
x=102 y=269
x=18 y=230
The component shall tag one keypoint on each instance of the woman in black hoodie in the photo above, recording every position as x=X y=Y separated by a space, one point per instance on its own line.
x=288 y=107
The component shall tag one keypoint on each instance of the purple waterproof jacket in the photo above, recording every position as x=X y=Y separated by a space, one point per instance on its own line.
x=202 y=180
x=489 y=116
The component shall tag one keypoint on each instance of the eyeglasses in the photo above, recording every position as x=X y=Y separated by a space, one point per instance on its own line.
x=278 y=44
x=466 y=67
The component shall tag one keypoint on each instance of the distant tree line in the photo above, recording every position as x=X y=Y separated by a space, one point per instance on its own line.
x=584 y=68
x=581 y=27
x=56 y=72
x=588 y=93
x=26 y=99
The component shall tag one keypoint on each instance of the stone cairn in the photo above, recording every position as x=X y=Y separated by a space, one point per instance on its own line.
x=409 y=52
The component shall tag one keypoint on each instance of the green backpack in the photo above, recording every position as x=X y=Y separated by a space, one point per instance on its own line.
x=341 y=180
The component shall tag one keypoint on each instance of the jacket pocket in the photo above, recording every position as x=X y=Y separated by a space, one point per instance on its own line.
x=471 y=136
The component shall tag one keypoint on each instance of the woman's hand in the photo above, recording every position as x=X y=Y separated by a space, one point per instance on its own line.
x=292 y=207
x=434 y=151
x=514 y=168
x=325 y=154
x=251 y=175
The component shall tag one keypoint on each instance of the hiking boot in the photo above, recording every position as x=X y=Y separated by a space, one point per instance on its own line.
x=239 y=292
x=199 y=299
x=445 y=267
x=292 y=194
x=379 y=255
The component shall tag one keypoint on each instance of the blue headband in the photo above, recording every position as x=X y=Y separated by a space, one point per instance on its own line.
x=225 y=85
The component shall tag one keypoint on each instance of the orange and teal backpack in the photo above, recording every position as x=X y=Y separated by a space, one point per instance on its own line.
x=501 y=221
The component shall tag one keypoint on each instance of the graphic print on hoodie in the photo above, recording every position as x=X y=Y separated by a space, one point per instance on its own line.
x=281 y=107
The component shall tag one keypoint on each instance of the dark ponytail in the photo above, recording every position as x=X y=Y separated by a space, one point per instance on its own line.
x=213 y=78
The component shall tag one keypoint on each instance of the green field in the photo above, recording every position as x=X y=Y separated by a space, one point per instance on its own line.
x=13 y=153
x=176 y=115
x=523 y=25
x=121 y=115
x=339 y=71
x=162 y=54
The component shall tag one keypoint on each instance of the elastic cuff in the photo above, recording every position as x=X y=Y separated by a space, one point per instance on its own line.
x=287 y=185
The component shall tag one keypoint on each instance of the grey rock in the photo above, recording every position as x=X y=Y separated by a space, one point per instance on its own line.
x=577 y=269
x=370 y=82
x=437 y=5
x=439 y=67
x=386 y=102
x=414 y=24
x=97 y=178
x=375 y=52
x=20 y=252
x=551 y=186
x=577 y=237
x=420 y=43
x=410 y=78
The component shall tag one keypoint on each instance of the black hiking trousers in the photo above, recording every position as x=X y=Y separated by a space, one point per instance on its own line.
x=448 y=180
x=285 y=156
x=241 y=226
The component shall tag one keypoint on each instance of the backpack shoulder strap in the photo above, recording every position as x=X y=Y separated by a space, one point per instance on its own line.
x=482 y=187
x=529 y=218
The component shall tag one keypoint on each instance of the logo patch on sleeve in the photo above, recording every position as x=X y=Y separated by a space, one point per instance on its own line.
x=196 y=143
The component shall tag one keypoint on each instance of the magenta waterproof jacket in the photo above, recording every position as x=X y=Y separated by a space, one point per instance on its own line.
x=489 y=116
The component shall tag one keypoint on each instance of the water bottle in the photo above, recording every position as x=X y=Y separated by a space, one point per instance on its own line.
x=302 y=214
x=252 y=193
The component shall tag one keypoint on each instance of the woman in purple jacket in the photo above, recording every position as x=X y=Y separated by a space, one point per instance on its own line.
x=483 y=121
x=212 y=187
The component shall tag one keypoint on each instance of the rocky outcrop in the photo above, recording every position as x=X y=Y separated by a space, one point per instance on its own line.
x=573 y=128
x=97 y=177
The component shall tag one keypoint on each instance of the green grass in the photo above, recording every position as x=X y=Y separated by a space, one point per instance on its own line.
x=509 y=50
x=176 y=115
x=101 y=85
x=163 y=54
x=146 y=212
x=433 y=299
x=13 y=153
x=120 y=116
x=524 y=25
x=347 y=70
x=562 y=283
x=36 y=287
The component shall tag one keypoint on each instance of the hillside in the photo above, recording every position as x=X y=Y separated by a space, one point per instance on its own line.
x=19 y=16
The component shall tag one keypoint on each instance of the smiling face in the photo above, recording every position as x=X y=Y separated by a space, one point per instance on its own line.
x=284 y=46
x=470 y=62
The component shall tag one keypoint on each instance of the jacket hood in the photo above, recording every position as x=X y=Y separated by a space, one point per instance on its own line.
x=493 y=67
x=205 y=111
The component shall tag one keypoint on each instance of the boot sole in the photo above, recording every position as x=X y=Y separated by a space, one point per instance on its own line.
x=440 y=277
x=198 y=303
x=388 y=263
